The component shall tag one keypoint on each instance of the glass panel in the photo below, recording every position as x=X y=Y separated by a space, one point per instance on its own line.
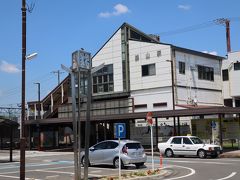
x=145 y=70
x=99 y=79
x=152 y=70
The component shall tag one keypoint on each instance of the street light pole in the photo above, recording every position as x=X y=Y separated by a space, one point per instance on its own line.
x=22 y=137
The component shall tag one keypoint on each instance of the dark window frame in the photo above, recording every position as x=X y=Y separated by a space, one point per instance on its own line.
x=176 y=138
x=225 y=75
x=182 y=67
x=103 y=81
x=161 y=104
x=236 y=66
x=146 y=70
x=205 y=73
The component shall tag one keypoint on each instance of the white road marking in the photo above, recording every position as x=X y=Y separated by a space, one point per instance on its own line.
x=231 y=175
x=190 y=174
x=17 y=177
x=196 y=162
x=52 y=177
x=13 y=172
x=58 y=172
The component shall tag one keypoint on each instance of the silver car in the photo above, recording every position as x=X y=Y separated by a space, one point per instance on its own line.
x=107 y=152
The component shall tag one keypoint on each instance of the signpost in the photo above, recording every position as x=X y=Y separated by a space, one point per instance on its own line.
x=119 y=132
x=150 y=123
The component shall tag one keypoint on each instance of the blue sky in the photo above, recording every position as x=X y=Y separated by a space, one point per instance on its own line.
x=56 y=28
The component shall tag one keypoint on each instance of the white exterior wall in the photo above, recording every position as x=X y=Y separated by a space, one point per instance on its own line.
x=231 y=88
x=192 y=89
x=150 y=89
x=163 y=68
x=111 y=53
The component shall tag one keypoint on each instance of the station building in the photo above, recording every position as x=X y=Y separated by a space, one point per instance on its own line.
x=140 y=74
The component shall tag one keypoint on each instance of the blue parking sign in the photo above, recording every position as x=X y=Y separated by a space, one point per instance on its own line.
x=213 y=124
x=120 y=130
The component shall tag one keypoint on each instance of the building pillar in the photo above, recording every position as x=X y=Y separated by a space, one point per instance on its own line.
x=11 y=142
x=220 y=129
x=29 y=137
x=51 y=102
x=97 y=133
x=105 y=130
x=174 y=126
x=179 y=126
x=233 y=102
x=42 y=111
x=156 y=127
x=62 y=92
x=35 y=112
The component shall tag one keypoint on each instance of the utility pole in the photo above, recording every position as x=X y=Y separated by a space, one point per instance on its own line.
x=226 y=23
x=58 y=72
x=22 y=137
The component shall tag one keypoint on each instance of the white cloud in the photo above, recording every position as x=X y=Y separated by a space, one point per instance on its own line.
x=8 y=68
x=184 y=7
x=119 y=9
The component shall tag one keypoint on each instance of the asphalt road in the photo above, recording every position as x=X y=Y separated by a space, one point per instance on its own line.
x=41 y=166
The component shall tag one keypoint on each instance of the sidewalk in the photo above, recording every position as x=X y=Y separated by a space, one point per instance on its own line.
x=4 y=154
x=229 y=154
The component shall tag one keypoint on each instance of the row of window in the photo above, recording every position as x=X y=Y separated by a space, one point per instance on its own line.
x=147 y=56
x=225 y=75
x=161 y=104
x=204 y=72
x=103 y=80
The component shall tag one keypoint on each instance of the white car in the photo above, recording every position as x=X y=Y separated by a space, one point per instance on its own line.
x=188 y=146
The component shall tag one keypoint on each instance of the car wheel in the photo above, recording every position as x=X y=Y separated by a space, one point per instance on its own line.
x=169 y=153
x=138 y=165
x=201 y=154
x=83 y=161
x=116 y=163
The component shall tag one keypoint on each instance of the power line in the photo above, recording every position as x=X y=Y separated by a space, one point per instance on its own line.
x=198 y=26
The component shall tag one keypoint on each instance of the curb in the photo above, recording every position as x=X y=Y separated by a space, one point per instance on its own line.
x=163 y=173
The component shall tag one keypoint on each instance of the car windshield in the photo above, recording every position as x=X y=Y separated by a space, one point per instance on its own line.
x=196 y=140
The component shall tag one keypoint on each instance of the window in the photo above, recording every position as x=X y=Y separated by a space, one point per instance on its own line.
x=112 y=145
x=140 y=106
x=162 y=104
x=225 y=75
x=176 y=141
x=100 y=146
x=205 y=73
x=137 y=57
x=134 y=146
x=159 y=53
x=103 y=80
x=186 y=141
x=236 y=66
x=148 y=70
x=181 y=67
x=147 y=55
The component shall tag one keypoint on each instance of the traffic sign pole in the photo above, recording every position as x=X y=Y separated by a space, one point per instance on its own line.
x=152 y=147
x=119 y=163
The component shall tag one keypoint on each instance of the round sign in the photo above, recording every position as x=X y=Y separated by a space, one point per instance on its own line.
x=149 y=118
